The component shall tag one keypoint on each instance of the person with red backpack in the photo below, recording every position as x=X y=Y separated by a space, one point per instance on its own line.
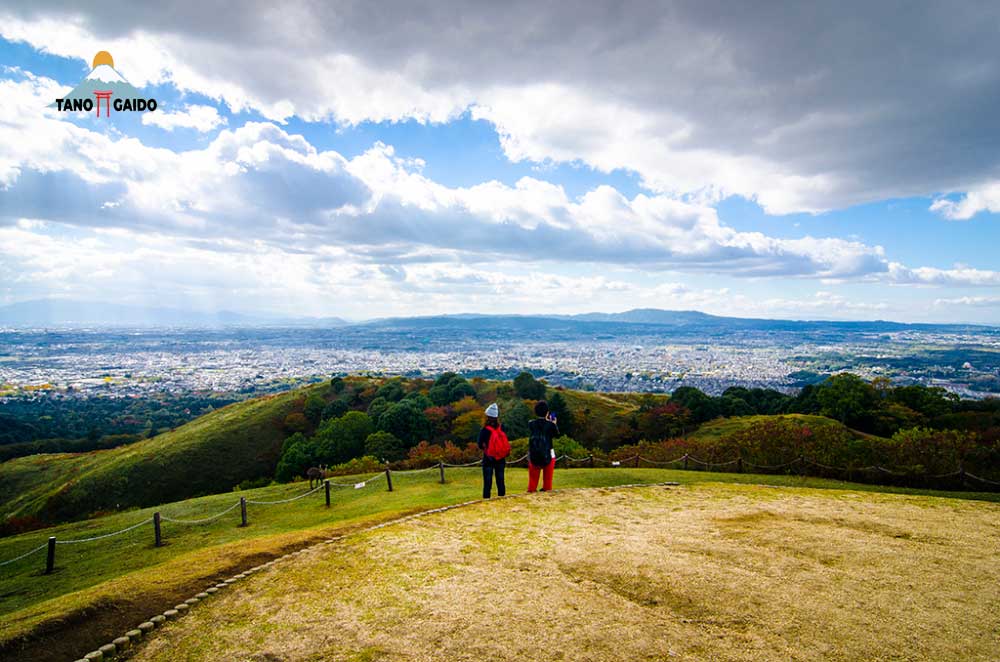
x=495 y=446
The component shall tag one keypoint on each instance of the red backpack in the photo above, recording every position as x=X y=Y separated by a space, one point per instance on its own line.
x=498 y=447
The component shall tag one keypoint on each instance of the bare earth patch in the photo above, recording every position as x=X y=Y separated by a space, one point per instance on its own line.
x=717 y=572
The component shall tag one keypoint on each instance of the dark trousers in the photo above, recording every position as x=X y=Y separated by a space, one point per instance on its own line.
x=493 y=468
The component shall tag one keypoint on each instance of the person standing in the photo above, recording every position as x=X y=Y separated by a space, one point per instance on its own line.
x=541 y=453
x=496 y=447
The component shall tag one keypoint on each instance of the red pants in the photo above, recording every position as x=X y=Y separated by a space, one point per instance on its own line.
x=533 y=472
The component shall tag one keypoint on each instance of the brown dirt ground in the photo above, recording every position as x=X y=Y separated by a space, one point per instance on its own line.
x=720 y=572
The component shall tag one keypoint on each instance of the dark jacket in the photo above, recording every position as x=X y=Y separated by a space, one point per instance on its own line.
x=545 y=429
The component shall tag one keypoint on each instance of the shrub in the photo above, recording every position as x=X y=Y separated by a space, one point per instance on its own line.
x=384 y=446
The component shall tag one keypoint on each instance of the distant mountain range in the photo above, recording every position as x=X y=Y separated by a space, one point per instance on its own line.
x=62 y=313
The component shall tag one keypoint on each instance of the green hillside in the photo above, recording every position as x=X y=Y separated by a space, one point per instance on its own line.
x=210 y=454
x=206 y=456
x=724 y=427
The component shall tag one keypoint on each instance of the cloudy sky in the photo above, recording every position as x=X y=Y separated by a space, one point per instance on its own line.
x=368 y=159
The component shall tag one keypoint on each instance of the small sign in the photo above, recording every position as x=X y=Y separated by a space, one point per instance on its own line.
x=616 y=463
x=358 y=486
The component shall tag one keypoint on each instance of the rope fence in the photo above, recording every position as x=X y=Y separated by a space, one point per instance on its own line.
x=959 y=476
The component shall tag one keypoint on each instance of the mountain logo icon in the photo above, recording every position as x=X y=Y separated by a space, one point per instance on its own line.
x=105 y=88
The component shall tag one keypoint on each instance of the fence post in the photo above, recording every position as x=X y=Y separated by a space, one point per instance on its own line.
x=591 y=460
x=637 y=461
x=961 y=474
x=802 y=466
x=685 y=461
x=326 y=483
x=388 y=478
x=157 y=534
x=441 y=468
x=50 y=559
x=739 y=465
x=243 y=511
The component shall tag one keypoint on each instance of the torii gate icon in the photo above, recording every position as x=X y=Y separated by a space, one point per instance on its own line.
x=106 y=97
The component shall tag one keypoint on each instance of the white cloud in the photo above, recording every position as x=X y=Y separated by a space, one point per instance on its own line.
x=194 y=116
x=701 y=100
x=131 y=220
x=979 y=199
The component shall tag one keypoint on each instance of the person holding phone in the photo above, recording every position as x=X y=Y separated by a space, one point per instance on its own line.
x=541 y=453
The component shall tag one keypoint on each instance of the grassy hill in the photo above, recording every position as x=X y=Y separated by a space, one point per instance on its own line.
x=210 y=454
x=724 y=427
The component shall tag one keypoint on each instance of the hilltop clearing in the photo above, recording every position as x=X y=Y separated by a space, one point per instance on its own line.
x=720 y=572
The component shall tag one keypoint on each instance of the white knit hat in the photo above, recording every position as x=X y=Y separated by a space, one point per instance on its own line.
x=493 y=410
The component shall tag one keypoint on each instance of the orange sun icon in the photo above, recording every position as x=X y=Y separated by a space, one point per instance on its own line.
x=103 y=57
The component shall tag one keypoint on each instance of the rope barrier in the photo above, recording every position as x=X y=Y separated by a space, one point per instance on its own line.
x=294 y=498
x=164 y=518
x=982 y=480
x=359 y=484
x=467 y=464
x=661 y=463
x=24 y=556
x=106 y=535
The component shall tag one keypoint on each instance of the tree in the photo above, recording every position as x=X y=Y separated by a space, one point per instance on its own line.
x=392 y=391
x=385 y=446
x=558 y=406
x=514 y=415
x=406 y=420
x=335 y=409
x=341 y=439
x=466 y=426
x=337 y=384
x=313 y=408
x=846 y=397
x=663 y=422
x=297 y=455
x=702 y=407
x=450 y=387
x=529 y=388
x=378 y=407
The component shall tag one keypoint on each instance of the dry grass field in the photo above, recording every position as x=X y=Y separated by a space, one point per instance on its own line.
x=701 y=572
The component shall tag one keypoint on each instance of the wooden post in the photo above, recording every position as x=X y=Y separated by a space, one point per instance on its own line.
x=441 y=467
x=388 y=478
x=685 y=461
x=591 y=459
x=961 y=475
x=326 y=483
x=243 y=511
x=157 y=534
x=637 y=461
x=50 y=559
x=739 y=465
